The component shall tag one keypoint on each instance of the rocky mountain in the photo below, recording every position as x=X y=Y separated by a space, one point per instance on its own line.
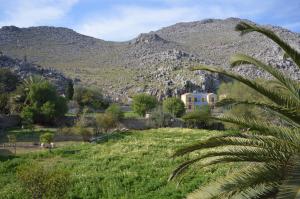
x=24 y=69
x=154 y=62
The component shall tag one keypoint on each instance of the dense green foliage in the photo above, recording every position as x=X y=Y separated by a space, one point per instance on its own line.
x=89 y=97
x=129 y=165
x=199 y=118
x=143 y=103
x=47 y=138
x=270 y=152
x=44 y=105
x=116 y=111
x=174 y=106
x=8 y=80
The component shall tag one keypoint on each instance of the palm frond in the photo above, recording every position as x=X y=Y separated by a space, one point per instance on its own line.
x=291 y=85
x=270 y=94
x=291 y=113
x=290 y=189
x=245 y=28
x=252 y=180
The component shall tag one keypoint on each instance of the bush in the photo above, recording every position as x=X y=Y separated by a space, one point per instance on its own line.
x=174 y=106
x=46 y=138
x=116 y=111
x=106 y=121
x=43 y=182
x=199 y=118
x=142 y=103
x=89 y=97
x=159 y=118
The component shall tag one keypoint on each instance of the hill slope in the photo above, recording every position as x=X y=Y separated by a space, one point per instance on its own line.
x=154 y=62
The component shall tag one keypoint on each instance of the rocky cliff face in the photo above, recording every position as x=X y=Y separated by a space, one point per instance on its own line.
x=155 y=62
x=24 y=69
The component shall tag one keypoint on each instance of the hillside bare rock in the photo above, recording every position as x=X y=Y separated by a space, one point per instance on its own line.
x=24 y=69
x=155 y=62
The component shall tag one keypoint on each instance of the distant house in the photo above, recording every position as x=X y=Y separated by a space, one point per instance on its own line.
x=194 y=101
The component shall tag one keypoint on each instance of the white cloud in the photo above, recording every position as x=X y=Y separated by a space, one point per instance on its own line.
x=25 y=13
x=128 y=21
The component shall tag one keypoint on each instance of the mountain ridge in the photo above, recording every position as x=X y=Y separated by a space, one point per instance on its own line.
x=154 y=62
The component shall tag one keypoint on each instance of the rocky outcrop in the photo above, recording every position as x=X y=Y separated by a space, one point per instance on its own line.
x=24 y=69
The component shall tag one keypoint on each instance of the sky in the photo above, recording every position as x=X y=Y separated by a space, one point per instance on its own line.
x=121 y=20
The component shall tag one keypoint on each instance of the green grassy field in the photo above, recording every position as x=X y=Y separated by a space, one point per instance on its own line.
x=129 y=165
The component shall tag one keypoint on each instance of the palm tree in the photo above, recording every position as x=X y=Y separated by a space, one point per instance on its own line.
x=269 y=152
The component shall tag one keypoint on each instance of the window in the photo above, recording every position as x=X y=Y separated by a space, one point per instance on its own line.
x=203 y=99
x=212 y=100
x=190 y=107
x=195 y=99
x=190 y=99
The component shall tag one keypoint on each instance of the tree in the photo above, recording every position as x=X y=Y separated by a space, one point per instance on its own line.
x=4 y=105
x=89 y=97
x=8 y=80
x=43 y=182
x=142 y=103
x=199 y=118
x=70 y=90
x=116 y=111
x=270 y=152
x=44 y=105
x=81 y=127
x=174 y=106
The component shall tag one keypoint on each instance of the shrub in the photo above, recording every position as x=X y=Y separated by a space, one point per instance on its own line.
x=159 y=118
x=198 y=118
x=89 y=97
x=142 y=103
x=174 y=106
x=106 y=121
x=47 y=138
x=43 y=182
x=116 y=111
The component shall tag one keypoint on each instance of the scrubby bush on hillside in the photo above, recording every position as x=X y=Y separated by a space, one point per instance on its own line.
x=106 y=121
x=116 y=111
x=174 y=106
x=89 y=97
x=143 y=103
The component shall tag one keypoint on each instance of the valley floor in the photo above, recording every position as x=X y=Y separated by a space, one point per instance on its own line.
x=131 y=165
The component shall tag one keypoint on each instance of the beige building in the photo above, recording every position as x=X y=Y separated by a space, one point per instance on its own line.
x=194 y=101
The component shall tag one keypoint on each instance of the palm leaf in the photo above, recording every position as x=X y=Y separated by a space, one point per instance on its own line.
x=291 y=85
x=270 y=94
x=245 y=28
